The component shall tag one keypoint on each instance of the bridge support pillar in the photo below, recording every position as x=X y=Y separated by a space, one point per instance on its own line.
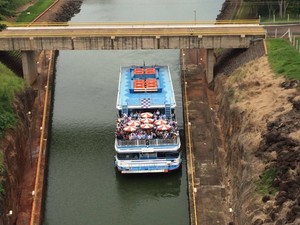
x=29 y=66
x=210 y=62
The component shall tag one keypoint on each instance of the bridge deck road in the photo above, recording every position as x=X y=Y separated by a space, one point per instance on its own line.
x=133 y=30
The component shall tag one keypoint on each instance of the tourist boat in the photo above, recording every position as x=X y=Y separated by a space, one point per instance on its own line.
x=146 y=138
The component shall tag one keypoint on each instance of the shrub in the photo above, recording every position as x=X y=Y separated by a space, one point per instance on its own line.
x=265 y=183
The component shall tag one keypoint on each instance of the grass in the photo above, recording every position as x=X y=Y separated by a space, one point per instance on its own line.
x=284 y=58
x=34 y=11
x=9 y=85
x=264 y=184
x=267 y=20
x=19 y=3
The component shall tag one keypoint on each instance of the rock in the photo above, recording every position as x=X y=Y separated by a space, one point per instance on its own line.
x=280 y=222
x=296 y=103
x=258 y=222
x=68 y=11
x=291 y=216
x=273 y=216
x=284 y=187
x=280 y=200
x=276 y=182
x=289 y=84
x=272 y=137
x=298 y=200
x=268 y=221
x=266 y=198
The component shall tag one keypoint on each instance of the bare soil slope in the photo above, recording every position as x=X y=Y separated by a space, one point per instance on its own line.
x=260 y=114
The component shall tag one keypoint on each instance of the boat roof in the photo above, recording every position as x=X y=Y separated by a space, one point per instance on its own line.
x=142 y=87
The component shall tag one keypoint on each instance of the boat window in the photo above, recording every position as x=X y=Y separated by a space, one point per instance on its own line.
x=172 y=154
x=128 y=156
x=161 y=155
x=148 y=155
x=167 y=155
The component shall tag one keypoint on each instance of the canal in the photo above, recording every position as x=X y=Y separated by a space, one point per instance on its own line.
x=82 y=185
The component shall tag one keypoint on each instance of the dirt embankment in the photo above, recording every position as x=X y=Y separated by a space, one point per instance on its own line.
x=259 y=116
x=20 y=145
x=259 y=123
x=15 y=146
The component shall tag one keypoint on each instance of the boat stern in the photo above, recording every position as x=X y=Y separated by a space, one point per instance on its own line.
x=147 y=166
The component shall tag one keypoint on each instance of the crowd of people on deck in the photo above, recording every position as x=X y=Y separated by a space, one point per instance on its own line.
x=138 y=133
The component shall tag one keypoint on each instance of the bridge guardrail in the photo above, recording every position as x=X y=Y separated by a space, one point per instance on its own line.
x=214 y=22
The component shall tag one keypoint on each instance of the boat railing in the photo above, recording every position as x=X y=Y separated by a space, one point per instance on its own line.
x=153 y=142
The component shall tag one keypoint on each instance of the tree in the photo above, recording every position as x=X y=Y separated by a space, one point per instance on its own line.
x=6 y=9
x=2 y=26
x=294 y=7
x=271 y=8
x=283 y=4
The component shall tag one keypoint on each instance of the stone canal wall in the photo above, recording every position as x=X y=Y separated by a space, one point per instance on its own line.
x=204 y=143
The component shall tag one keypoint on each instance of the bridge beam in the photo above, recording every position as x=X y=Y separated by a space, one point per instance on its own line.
x=29 y=66
x=210 y=62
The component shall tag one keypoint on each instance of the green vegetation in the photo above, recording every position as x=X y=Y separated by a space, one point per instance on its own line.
x=2 y=26
x=243 y=12
x=9 y=85
x=8 y=7
x=275 y=20
x=264 y=185
x=269 y=10
x=284 y=58
x=34 y=11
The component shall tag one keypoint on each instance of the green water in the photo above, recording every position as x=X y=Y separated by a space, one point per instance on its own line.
x=82 y=185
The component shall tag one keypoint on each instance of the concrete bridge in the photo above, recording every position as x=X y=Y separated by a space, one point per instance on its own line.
x=126 y=36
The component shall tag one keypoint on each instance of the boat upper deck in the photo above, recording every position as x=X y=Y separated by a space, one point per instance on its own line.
x=145 y=87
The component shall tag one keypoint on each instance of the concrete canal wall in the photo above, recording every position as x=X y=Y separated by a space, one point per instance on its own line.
x=206 y=191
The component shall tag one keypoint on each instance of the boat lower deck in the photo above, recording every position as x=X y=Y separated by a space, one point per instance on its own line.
x=148 y=165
